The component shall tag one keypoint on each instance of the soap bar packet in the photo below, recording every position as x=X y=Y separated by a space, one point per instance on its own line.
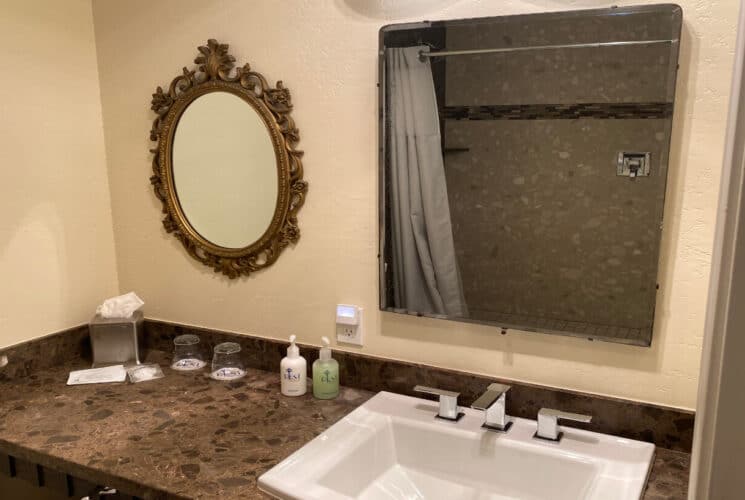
x=141 y=373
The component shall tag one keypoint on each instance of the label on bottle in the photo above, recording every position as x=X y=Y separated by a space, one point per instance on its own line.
x=325 y=383
x=292 y=382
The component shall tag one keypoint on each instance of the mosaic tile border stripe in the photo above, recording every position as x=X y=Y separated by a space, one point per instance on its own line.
x=575 y=111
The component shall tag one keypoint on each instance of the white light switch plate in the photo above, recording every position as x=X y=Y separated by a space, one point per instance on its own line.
x=350 y=334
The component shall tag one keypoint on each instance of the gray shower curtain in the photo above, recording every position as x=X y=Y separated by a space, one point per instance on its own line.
x=425 y=271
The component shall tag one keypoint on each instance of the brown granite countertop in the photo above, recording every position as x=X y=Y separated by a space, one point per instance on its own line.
x=186 y=436
x=668 y=479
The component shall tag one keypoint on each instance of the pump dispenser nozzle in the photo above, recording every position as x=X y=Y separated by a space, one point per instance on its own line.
x=293 y=351
x=325 y=352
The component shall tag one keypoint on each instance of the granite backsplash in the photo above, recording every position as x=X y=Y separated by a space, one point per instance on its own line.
x=666 y=427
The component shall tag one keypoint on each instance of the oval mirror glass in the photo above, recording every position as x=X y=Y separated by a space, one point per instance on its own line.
x=225 y=170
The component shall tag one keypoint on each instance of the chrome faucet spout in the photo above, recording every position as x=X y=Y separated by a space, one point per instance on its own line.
x=493 y=403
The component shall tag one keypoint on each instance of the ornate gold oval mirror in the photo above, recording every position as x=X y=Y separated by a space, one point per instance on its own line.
x=225 y=166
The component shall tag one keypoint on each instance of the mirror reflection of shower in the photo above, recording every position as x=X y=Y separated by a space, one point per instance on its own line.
x=524 y=170
x=424 y=267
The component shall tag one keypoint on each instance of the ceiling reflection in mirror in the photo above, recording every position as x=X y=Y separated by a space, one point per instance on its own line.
x=523 y=169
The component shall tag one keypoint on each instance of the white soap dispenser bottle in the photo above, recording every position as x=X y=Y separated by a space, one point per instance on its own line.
x=293 y=371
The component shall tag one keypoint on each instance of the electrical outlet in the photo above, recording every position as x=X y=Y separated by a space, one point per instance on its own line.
x=350 y=334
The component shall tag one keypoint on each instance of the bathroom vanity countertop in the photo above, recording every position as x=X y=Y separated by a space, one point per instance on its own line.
x=668 y=479
x=183 y=435
x=187 y=436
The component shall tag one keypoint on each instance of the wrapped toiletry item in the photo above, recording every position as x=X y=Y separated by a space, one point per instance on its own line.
x=141 y=373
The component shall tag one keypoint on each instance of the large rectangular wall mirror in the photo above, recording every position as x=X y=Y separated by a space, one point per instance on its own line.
x=523 y=164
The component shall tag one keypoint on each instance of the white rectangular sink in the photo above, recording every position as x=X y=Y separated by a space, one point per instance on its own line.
x=393 y=447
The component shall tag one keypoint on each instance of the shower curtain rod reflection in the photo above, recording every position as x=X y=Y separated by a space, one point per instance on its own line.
x=447 y=53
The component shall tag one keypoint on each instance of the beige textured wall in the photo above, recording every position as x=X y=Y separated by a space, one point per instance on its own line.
x=325 y=52
x=56 y=243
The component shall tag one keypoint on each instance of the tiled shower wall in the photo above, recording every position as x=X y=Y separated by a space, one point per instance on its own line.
x=544 y=228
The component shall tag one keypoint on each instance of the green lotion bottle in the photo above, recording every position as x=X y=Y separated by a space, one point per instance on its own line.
x=325 y=373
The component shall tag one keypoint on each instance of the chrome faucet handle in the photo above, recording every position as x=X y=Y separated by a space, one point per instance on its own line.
x=448 y=402
x=493 y=404
x=548 y=427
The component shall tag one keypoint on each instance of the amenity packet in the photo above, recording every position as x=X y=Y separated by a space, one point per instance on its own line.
x=141 y=373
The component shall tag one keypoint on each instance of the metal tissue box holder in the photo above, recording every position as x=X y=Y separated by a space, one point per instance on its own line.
x=116 y=341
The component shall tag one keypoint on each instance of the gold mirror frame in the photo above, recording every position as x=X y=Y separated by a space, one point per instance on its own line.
x=216 y=72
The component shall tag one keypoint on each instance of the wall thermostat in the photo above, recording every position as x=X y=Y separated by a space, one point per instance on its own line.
x=349 y=324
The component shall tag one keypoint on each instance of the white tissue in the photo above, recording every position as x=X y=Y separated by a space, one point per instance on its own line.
x=120 y=307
